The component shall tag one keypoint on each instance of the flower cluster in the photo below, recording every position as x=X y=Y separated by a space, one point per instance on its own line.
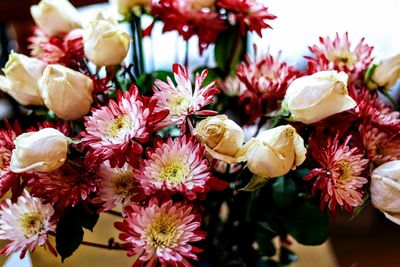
x=186 y=166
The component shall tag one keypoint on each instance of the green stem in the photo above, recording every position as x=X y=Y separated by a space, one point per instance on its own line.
x=140 y=43
x=389 y=97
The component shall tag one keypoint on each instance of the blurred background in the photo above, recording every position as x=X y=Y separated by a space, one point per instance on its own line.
x=366 y=241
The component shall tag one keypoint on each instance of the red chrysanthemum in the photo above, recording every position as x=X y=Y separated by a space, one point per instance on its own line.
x=64 y=187
x=182 y=100
x=372 y=110
x=67 y=51
x=339 y=175
x=266 y=82
x=161 y=233
x=115 y=132
x=250 y=15
x=8 y=179
x=337 y=54
x=189 y=21
x=381 y=147
x=176 y=166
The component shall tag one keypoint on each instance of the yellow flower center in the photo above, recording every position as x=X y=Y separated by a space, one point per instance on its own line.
x=119 y=123
x=123 y=185
x=32 y=224
x=179 y=104
x=4 y=159
x=174 y=172
x=343 y=58
x=345 y=171
x=162 y=232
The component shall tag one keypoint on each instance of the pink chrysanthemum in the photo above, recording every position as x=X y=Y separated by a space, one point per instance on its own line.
x=250 y=15
x=182 y=100
x=8 y=179
x=266 y=82
x=64 y=187
x=175 y=165
x=338 y=177
x=189 y=21
x=115 y=132
x=161 y=233
x=67 y=51
x=26 y=223
x=337 y=54
x=116 y=186
x=381 y=147
x=231 y=86
x=371 y=110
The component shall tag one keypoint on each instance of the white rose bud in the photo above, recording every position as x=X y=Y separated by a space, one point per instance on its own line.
x=274 y=152
x=20 y=80
x=318 y=96
x=385 y=189
x=55 y=17
x=66 y=92
x=42 y=151
x=221 y=136
x=104 y=43
x=385 y=74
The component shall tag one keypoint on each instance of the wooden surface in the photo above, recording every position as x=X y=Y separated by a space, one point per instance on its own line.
x=319 y=256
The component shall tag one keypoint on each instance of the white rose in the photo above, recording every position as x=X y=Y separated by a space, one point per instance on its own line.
x=274 y=152
x=20 y=80
x=221 y=136
x=199 y=4
x=385 y=189
x=385 y=74
x=66 y=92
x=318 y=96
x=104 y=43
x=55 y=17
x=42 y=151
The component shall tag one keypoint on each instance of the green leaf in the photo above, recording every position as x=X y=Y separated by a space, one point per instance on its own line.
x=284 y=191
x=308 y=225
x=146 y=81
x=255 y=183
x=87 y=216
x=69 y=235
x=287 y=257
x=266 y=247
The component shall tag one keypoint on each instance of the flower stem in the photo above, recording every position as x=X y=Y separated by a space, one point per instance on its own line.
x=115 y=213
x=187 y=54
x=139 y=32
x=111 y=245
x=389 y=97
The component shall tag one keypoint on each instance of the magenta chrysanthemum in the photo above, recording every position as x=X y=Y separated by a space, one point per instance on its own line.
x=250 y=15
x=116 y=186
x=337 y=54
x=182 y=100
x=161 y=233
x=67 y=51
x=175 y=165
x=64 y=187
x=26 y=223
x=338 y=177
x=114 y=132
x=8 y=179
x=266 y=82
x=371 y=110
x=381 y=147
x=189 y=21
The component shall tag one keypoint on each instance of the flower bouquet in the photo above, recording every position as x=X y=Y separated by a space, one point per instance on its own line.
x=213 y=165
